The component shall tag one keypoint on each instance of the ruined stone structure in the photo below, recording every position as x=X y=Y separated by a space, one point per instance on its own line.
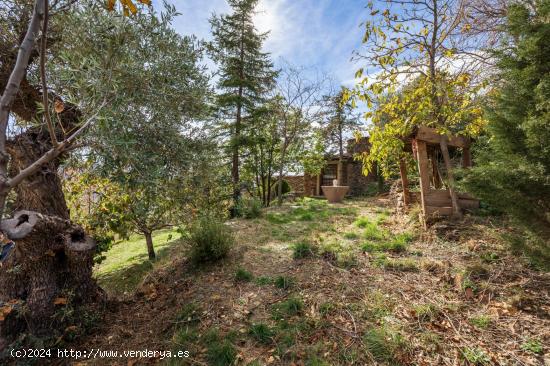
x=310 y=186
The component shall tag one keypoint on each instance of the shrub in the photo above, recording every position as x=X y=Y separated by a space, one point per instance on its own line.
x=210 y=240
x=302 y=250
x=249 y=208
x=242 y=275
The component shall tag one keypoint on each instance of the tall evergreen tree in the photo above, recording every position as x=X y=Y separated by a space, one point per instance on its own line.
x=513 y=171
x=246 y=74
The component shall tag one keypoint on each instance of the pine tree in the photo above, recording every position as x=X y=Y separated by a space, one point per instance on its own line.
x=513 y=171
x=246 y=74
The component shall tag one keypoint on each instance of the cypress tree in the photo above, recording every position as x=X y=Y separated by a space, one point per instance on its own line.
x=245 y=75
x=513 y=170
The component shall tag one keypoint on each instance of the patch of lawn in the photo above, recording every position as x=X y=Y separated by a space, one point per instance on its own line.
x=127 y=262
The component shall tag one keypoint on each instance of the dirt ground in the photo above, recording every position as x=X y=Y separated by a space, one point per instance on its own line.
x=453 y=296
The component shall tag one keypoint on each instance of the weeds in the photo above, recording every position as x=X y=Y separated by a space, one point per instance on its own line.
x=481 y=321
x=476 y=356
x=532 y=345
x=263 y=280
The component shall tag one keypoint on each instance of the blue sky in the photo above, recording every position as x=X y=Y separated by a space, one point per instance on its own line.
x=319 y=34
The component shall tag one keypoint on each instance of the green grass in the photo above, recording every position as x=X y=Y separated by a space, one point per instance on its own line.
x=302 y=250
x=476 y=356
x=284 y=282
x=532 y=345
x=291 y=307
x=385 y=344
x=263 y=280
x=127 y=262
x=262 y=333
x=242 y=275
x=481 y=321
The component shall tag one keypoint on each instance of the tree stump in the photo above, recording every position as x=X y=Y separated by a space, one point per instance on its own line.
x=51 y=263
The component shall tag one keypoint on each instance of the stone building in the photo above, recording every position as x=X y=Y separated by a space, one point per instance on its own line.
x=311 y=186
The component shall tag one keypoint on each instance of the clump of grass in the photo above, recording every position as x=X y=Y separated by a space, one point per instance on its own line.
x=263 y=280
x=262 y=333
x=278 y=218
x=399 y=264
x=352 y=235
x=302 y=250
x=220 y=352
x=362 y=222
x=291 y=307
x=378 y=306
x=373 y=232
x=283 y=282
x=346 y=259
x=385 y=344
x=326 y=308
x=476 y=356
x=185 y=336
x=188 y=314
x=210 y=240
x=242 y=275
x=481 y=321
x=532 y=345
x=426 y=312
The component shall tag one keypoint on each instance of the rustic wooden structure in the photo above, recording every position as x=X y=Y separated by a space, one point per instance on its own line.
x=435 y=201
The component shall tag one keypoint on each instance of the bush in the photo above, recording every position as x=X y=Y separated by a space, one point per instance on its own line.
x=249 y=208
x=210 y=240
x=275 y=189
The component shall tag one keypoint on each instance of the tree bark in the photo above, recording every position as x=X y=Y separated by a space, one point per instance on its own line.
x=53 y=258
x=149 y=241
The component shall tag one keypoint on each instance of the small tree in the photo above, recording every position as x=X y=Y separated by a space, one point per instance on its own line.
x=299 y=102
x=420 y=43
x=340 y=125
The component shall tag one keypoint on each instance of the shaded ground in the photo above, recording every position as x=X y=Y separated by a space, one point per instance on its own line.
x=127 y=262
x=369 y=287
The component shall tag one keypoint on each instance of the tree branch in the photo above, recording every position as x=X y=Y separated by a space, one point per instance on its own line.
x=43 y=44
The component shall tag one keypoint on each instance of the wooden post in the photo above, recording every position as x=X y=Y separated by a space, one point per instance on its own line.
x=466 y=157
x=422 y=158
x=318 y=185
x=404 y=182
x=435 y=172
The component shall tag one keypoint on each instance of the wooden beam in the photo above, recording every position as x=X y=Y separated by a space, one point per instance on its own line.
x=404 y=182
x=431 y=136
x=422 y=158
